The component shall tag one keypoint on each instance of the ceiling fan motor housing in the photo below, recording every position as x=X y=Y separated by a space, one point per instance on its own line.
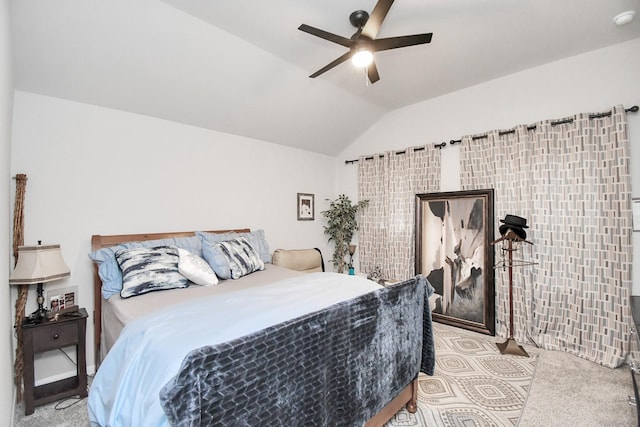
x=359 y=18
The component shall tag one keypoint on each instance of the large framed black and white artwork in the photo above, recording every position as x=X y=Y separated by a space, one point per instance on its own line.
x=454 y=231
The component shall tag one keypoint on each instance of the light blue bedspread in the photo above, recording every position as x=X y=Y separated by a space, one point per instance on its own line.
x=150 y=350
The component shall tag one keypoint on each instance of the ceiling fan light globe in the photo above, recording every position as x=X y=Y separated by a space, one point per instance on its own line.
x=362 y=58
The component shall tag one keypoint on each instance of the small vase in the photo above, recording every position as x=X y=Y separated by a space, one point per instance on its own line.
x=352 y=271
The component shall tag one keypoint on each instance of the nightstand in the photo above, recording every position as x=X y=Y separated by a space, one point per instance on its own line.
x=68 y=330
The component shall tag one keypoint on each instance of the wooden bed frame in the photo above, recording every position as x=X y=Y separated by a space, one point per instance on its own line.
x=406 y=398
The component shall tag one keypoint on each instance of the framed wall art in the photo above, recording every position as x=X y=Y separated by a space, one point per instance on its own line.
x=306 y=207
x=454 y=231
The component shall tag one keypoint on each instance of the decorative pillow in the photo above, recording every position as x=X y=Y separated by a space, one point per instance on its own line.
x=305 y=260
x=256 y=238
x=149 y=269
x=196 y=269
x=233 y=258
x=109 y=271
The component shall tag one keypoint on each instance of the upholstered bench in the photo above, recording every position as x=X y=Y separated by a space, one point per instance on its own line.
x=306 y=260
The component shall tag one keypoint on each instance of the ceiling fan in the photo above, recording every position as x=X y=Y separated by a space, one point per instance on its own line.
x=363 y=42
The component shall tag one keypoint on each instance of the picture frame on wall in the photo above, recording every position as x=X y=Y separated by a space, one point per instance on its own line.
x=454 y=231
x=306 y=207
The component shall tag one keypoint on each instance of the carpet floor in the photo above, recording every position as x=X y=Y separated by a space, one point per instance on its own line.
x=475 y=386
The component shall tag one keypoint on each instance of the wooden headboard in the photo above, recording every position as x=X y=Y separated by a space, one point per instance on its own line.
x=99 y=242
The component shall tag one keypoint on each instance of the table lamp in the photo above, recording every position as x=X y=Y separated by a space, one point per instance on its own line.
x=352 y=250
x=38 y=265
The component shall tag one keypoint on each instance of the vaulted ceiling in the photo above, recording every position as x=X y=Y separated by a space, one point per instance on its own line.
x=242 y=66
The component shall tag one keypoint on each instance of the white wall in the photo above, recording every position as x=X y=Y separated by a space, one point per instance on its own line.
x=592 y=82
x=6 y=322
x=93 y=170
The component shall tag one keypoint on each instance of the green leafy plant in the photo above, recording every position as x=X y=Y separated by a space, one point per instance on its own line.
x=342 y=222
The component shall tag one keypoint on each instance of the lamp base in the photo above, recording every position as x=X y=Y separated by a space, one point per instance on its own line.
x=37 y=316
x=41 y=313
x=510 y=346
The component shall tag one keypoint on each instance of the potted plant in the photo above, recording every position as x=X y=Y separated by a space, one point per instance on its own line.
x=342 y=222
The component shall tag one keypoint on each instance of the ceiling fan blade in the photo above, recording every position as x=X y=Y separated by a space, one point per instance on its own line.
x=372 y=72
x=401 y=41
x=326 y=35
x=329 y=66
x=374 y=22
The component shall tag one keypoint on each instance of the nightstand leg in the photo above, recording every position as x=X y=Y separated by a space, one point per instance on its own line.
x=81 y=351
x=28 y=375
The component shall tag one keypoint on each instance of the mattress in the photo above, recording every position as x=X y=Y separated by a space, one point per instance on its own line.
x=117 y=312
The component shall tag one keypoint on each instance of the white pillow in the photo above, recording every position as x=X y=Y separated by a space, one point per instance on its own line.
x=196 y=269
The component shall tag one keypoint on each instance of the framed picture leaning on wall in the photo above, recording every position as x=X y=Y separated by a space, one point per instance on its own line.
x=454 y=231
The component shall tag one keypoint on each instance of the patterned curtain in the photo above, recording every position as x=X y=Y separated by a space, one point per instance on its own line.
x=390 y=182
x=571 y=180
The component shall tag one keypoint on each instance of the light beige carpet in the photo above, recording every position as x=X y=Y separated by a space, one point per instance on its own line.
x=474 y=385
x=569 y=391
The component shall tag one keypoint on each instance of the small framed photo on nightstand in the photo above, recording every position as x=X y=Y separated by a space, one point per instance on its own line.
x=305 y=207
x=60 y=299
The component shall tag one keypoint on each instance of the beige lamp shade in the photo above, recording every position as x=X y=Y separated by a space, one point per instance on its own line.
x=39 y=264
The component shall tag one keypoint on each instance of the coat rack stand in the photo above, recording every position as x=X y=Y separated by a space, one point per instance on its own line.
x=510 y=346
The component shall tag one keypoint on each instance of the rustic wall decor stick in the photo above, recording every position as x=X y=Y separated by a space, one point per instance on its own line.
x=21 y=301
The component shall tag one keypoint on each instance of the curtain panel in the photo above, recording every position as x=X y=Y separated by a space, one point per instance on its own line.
x=572 y=182
x=390 y=181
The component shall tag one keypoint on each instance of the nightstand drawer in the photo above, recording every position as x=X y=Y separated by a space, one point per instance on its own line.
x=54 y=336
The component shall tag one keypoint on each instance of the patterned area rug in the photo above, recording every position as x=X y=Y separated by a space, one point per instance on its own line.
x=473 y=386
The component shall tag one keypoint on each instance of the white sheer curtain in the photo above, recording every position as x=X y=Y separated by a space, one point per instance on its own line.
x=572 y=182
x=390 y=182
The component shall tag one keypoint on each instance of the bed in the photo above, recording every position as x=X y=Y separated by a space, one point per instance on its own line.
x=315 y=349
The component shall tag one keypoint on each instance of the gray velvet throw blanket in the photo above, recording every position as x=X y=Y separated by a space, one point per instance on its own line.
x=334 y=367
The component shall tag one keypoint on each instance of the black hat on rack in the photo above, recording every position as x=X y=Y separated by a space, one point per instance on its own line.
x=515 y=223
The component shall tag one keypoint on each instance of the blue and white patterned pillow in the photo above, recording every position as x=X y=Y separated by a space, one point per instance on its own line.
x=256 y=238
x=109 y=271
x=149 y=269
x=232 y=258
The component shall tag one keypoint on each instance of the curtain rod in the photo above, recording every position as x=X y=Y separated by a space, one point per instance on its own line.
x=633 y=109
